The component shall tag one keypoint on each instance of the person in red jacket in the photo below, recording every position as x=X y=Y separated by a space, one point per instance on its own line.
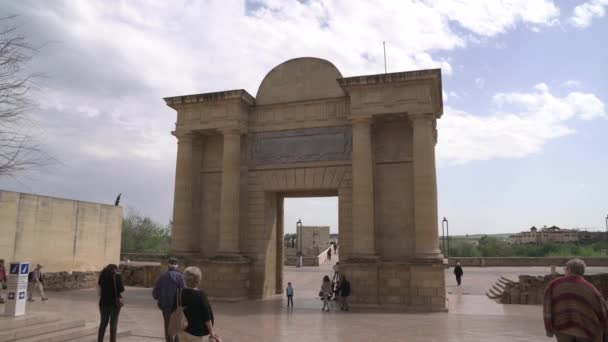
x=574 y=310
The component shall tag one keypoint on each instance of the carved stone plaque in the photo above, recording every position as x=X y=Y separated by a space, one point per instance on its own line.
x=301 y=145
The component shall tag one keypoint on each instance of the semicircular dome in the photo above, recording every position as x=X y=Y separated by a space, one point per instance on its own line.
x=300 y=79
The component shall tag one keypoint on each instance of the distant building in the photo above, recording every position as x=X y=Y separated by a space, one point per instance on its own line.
x=544 y=235
x=586 y=237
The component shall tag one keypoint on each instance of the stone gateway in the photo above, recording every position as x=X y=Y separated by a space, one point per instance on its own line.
x=370 y=140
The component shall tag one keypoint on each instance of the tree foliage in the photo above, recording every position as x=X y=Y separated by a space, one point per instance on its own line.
x=489 y=246
x=140 y=234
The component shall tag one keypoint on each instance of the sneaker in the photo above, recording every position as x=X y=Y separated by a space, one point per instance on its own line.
x=30 y=300
x=44 y=299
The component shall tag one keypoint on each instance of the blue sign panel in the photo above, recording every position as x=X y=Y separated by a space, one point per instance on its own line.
x=14 y=269
x=25 y=268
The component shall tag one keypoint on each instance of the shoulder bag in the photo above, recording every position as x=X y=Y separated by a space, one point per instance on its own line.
x=177 y=320
x=119 y=302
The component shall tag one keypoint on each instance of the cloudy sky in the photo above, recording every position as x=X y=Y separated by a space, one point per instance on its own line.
x=523 y=140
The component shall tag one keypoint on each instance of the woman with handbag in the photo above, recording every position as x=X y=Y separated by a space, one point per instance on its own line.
x=196 y=309
x=326 y=292
x=110 y=300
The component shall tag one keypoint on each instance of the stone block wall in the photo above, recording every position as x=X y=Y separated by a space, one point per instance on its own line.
x=523 y=261
x=137 y=276
x=224 y=279
x=140 y=276
x=427 y=287
x=530 y=289
x=60 y=281
x=408 y=286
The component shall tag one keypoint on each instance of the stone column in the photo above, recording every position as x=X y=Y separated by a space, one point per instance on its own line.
x=425 y=186
x=363 y=189
x=230 y=196
x=182 y=203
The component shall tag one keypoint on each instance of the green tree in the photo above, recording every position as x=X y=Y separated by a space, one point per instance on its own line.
x=140 y=234
x=493 y=247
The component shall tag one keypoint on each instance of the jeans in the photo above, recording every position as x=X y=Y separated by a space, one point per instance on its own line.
x=166 y=318
x=344 y=305
x=290 y=301
x=108 y=313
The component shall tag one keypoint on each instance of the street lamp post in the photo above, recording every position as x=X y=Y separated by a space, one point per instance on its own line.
x=606 y=233
x=299 y=238
x=445 y=224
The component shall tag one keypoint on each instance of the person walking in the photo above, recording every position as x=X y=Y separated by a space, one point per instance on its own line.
x=573 y=309
x=110 y=301
x=336 y=269
x=3 y=280
x=197 y=309
x=325 y=293
x=165 y=291
x=329 y=254
x=344 y=294
x=458 y=273
x=35 y=282
x=289 y=293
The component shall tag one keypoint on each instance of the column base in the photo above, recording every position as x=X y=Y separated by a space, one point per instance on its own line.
x=225 y=277
x=409 y=285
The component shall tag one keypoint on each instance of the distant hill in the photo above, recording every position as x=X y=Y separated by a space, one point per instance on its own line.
x=478 y=236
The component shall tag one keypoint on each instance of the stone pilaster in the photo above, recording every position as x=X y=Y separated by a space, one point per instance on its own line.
x=363 y=189
x=425 y=186
x=230 y=195
x=182 y=204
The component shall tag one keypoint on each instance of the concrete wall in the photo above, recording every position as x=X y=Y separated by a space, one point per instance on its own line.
x=61 y=234
x=523 y=261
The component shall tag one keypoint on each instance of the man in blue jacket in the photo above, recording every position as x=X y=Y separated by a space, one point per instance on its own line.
x=165 y=292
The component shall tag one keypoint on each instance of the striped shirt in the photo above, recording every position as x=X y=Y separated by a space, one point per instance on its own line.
x=574 y=307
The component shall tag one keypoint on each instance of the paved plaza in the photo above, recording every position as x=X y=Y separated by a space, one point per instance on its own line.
x=472 y=316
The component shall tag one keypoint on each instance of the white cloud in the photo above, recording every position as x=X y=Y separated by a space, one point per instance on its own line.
x=572 y=84
x=110 y=63
x=454 y=95
x=489 y=18
x=480 y=82
x=583 y=15
x=520 y=124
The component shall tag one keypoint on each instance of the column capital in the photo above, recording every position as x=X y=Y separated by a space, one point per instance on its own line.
x=232 y=131
x=184 y=136
x=361 y=120
x=421 y=118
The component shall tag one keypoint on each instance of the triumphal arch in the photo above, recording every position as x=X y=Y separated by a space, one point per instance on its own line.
x=370 y=140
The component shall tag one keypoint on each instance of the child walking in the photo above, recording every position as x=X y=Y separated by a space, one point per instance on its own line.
x=289 y=292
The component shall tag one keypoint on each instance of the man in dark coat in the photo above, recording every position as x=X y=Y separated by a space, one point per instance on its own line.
x=344 y=293
x=165 y=292
x=458 y=273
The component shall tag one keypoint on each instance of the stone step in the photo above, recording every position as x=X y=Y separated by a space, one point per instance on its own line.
x=121 y=334
x=64 y=335
x=38 y=330
x=8 y=323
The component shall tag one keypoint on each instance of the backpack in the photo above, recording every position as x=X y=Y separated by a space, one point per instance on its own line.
x=177 y=320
